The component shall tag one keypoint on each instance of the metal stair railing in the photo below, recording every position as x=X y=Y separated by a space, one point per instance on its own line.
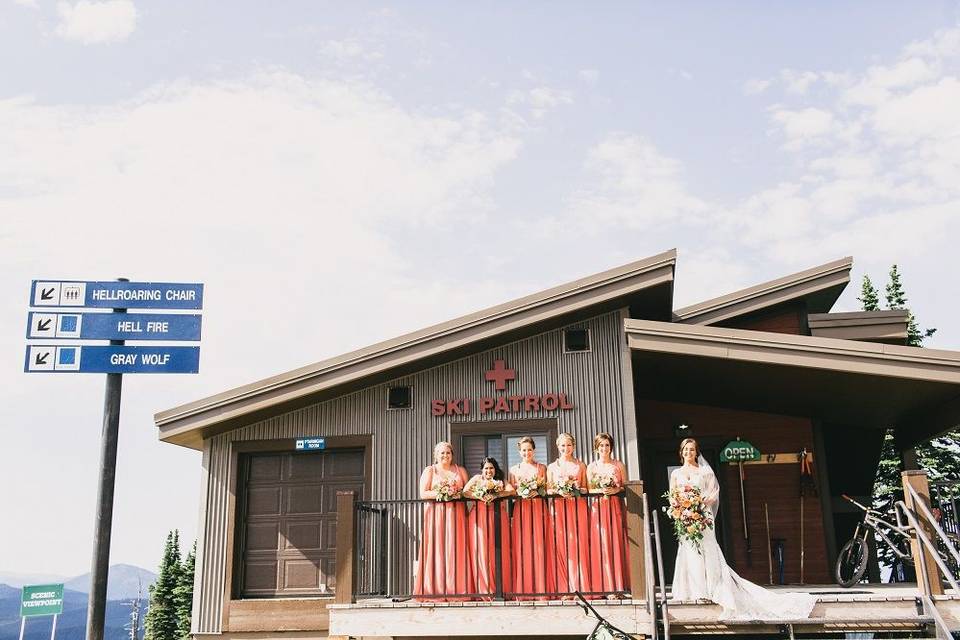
x=656 y=595
x=664 y=613
x=939 y=624
x=649 y=578
x=929 y=606
x=914 y=522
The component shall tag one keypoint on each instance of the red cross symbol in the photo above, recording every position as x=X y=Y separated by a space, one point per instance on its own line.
x=500 y=374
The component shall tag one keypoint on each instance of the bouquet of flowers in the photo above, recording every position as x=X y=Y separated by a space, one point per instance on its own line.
x=689 y=514
x=531 y=488
x=603 y=481
x=483 y=488
x=446 y=491
x=567 y=487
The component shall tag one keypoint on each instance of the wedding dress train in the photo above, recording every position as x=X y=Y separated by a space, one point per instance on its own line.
x=704 y=574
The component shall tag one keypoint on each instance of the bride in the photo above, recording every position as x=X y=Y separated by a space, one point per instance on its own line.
x=703 y=574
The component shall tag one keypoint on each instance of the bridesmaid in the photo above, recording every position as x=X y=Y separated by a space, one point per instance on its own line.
x=531 y=530
x=609 y=568
x=567 y=479
x=485 y=487
x=443 y=568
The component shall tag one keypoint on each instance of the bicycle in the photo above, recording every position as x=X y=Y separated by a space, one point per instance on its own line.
x=604 y=630
x=853 y=556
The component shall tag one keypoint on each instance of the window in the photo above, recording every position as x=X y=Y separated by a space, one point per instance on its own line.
x=576 y=340
x=399 y=398
x=499 y=440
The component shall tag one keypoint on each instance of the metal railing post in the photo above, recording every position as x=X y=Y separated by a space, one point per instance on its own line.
x=497 y=505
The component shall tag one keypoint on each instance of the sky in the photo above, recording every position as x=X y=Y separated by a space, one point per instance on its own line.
x=341 y=173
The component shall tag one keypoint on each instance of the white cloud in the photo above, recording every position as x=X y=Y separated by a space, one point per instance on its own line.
x=344 y=50
x=540 y=100
x=590 y=76
x=797 y=82
x=803 y=126
x=96 y=22
x=755 y=86
x=629 y=182
x=929 y=111
x=27 y=3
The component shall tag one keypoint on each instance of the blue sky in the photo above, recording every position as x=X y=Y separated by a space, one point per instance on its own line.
x=339 y=174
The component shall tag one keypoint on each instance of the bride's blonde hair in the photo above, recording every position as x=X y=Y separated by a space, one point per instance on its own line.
x=685 y=442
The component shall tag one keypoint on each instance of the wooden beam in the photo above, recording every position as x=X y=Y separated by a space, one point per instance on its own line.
x=920 y=426
x=636 y=540
x=344 y=557
x=927 y=569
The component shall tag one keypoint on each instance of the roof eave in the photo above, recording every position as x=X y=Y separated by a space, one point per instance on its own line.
x=187 y=424
x=823 y=283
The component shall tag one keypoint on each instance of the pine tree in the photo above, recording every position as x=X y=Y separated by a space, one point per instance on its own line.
x=897 y=299
x=939 y=456
x=869 y=296
x=183 y=594
x=161 y=622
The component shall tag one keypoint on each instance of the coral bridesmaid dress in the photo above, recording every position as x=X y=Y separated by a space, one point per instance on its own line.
x=571 y=531
x=483 y=542
x=609 y=568
x=443 y=568
x=532 y=539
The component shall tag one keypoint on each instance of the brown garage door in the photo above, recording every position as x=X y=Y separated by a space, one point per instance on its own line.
x=288 y=520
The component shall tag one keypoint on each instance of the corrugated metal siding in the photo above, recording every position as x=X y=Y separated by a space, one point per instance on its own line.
x=403 y=439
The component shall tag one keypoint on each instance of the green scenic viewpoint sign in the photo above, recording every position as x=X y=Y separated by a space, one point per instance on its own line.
x=41 y=600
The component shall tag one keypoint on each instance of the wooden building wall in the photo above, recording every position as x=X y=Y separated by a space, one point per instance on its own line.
x=597 y=382
x=777 y=485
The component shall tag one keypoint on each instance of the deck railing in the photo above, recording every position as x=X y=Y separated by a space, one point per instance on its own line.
x=379 y=544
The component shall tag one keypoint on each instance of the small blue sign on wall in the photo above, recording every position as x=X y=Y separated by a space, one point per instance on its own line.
x=310 y=444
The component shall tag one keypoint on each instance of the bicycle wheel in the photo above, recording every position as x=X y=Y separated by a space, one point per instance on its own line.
x=851 y=562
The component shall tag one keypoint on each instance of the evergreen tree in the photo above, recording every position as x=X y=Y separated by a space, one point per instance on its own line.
x=161 y=622
x=183 y=594
x=939 y=456
x=897 y=299
x=869 y=296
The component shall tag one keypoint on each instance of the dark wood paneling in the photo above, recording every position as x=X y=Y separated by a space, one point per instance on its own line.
x=780 y=319
x=777 y=485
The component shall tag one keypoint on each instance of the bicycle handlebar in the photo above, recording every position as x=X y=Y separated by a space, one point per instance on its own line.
x=849 y=499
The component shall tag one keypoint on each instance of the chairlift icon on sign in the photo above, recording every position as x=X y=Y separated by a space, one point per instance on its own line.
x=71 y=294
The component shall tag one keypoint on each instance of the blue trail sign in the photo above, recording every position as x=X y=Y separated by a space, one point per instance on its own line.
x=116 y=295
x=111 y=359
x=113 y=326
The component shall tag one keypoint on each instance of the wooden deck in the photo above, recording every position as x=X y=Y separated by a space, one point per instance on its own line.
x=867 y=608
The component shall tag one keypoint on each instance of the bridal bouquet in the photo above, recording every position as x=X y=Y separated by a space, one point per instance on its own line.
x=567 y=487
x=483 y=488
x=689 y=514
x=446 y=491
x=603 y=481
x=531 y=488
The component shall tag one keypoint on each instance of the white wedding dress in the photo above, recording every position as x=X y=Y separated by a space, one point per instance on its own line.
x=704 y=574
